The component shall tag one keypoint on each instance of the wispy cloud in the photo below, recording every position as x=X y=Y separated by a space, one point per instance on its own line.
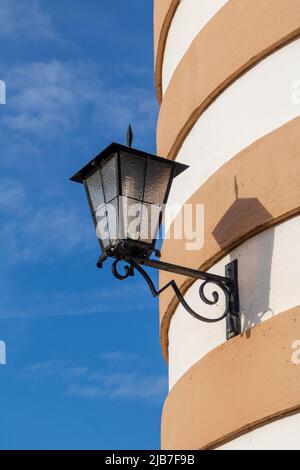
x=12 y=196
x=129 y=386
x=36 y=304
x=54 y=368
x=25 y=19
x=91 y=383
x=117 y=356
x=45 y=369
x=50 y=104
x=54 y=100
x=48 y=96
x=33 y=232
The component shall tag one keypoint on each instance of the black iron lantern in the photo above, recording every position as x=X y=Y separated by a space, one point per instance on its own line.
x=127 y=190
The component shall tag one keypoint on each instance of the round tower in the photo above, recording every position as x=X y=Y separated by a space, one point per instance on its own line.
x=227 y=77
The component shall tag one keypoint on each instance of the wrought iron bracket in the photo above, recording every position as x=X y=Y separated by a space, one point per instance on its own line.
x=228 y=284
x=233 y=319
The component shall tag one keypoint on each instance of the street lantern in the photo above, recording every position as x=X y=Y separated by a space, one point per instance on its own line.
x=127 y=190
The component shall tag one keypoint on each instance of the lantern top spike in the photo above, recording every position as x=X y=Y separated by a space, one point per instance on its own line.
x=129 y=136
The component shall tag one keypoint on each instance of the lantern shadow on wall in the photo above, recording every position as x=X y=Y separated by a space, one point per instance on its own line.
x=255 y=260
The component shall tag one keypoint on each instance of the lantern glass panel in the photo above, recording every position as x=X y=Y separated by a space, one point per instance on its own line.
x=133 y=169
x=157 y=181
x=130 y=218
x=109 y=176
x=102 y=230
x=95 y=189
x=149 y=222
x=113 y=220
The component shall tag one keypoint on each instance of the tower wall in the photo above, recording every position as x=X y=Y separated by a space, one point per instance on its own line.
x=228 y=81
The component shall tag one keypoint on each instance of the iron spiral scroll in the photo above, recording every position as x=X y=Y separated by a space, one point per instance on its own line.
x=129 y=266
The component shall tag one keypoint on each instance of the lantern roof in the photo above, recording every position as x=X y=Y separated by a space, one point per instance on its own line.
x=113 y=148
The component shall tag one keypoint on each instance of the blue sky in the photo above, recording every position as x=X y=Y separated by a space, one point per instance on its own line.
x=84 y=366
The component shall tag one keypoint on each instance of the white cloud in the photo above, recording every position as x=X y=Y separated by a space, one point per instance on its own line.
x=120 y=107
x=39 y=304
x=50 y=104
x=130 y=386
x=45 y=369
x=118 y=356
x=25 y=19
x=47 y=97
x=12 y=196
x=33 y=232
x=55 y=368
x=53 y=100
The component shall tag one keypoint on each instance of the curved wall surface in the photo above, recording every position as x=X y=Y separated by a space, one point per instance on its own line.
x=239 y=387
x=190 y=17
x=256 y=104
x=228 y=78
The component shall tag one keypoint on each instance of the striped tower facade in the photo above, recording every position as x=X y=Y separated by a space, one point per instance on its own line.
x=227 y=76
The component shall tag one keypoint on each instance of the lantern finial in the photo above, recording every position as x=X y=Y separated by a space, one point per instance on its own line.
x=129 y=136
